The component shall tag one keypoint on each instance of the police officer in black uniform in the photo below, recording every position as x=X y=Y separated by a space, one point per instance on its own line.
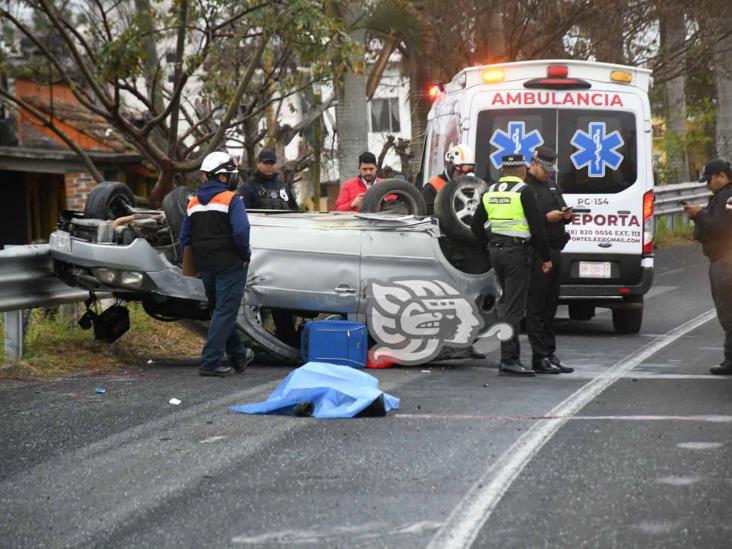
x=544 y=287
x=713 y=228
x=510 y=224
x=265 y=190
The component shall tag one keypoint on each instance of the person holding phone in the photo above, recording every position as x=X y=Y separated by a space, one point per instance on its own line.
x=353 y=190
x=544 y=286
x=713 y=228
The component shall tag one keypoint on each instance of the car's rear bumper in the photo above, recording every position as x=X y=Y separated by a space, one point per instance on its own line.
x=607 y=293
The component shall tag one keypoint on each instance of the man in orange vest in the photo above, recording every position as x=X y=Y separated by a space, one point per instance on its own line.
x=216 y=228
x=459 y=160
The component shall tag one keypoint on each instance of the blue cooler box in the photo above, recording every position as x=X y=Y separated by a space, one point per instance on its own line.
x=335 y=341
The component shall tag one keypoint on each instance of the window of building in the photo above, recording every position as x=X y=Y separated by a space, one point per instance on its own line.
x=385 y=115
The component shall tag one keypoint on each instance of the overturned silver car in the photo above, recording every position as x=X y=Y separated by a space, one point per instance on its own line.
x=397 y=273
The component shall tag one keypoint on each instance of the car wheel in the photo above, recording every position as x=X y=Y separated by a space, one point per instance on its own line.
x=175 y=204
x=394 y=196
x=456 y=203
x=109 y=200
x=627 y=321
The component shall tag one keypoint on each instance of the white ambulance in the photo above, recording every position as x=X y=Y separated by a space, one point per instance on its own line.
x=598 y=119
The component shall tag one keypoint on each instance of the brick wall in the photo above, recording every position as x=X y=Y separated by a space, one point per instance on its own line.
x=77 y=185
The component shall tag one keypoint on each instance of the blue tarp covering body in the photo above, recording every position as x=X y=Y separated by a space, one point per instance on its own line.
x=335 y=391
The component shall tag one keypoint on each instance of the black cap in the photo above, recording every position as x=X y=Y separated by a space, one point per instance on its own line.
x=547 y=158
x=267 y=155
x=512 y=160
x=713 y=167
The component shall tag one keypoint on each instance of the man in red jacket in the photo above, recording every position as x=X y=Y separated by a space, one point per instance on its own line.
x=352 y=191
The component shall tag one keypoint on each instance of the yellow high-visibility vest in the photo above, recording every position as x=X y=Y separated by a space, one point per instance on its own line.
x=503 y=206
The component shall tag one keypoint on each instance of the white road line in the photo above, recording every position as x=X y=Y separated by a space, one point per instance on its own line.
x=699 y=445
x=468 y=517
x=702 y=418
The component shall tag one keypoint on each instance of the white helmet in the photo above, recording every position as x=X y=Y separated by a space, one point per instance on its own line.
x=460 y=154
x=218 y=162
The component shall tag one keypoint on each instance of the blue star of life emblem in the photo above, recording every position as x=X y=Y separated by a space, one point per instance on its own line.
x=596 y=150
x=515 y=141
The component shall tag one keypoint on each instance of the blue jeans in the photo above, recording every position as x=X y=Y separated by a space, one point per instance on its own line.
x=224 y=290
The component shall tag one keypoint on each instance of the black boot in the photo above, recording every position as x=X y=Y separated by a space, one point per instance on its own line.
x=554 y=359
x=724 y=369
x=219 y=371
x=240 y=362
x=544 y=366
x=514 y=369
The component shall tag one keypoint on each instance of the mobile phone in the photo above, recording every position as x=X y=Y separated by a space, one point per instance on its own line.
x=567 y=209
x=683 y=202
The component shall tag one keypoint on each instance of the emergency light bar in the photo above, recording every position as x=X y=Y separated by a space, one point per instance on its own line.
x=491 y=76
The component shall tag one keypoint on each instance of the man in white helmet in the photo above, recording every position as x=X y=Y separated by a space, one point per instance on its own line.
x=459 y=160
x=216 y=228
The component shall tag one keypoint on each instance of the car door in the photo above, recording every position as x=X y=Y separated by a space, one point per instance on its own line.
x=307 y=262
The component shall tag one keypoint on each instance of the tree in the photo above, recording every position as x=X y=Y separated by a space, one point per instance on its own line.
x=723 y=75
x=672 y=27
x=179 y=84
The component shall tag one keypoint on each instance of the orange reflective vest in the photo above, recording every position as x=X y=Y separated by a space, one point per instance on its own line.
x=437 y=183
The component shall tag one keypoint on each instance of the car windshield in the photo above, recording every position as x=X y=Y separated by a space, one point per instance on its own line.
x=597 y=149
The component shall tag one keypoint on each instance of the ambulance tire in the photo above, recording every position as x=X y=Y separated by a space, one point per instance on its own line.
x=581 y=311
x=109 y=200
x=456 y=203
x=174 y=206
x=627 y=321
x=408 y=200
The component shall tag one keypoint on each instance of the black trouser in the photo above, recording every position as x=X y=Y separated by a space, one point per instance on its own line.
x=512 y=265
x=720 y=277
x=284 y=321
x=542 y=305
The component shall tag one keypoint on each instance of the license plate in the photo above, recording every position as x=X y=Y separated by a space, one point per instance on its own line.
x=63 y=241
x=589 y=269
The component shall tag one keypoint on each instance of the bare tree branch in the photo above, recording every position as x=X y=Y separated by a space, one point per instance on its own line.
x=101 y=94
x=233 y=106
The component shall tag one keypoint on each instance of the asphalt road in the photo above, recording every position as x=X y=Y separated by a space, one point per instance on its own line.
x=632 y=450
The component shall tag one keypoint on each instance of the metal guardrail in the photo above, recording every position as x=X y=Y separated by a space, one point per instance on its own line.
x=27 y=281
x=667 y=206
x=667 y=197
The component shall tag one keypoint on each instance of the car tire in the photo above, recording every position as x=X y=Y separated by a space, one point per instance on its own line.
x=627 y=321
x=456 y=203
x=175 y=204
x=409 y=200
x=109 y=200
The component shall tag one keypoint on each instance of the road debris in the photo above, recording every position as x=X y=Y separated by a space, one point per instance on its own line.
x=174 y=401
